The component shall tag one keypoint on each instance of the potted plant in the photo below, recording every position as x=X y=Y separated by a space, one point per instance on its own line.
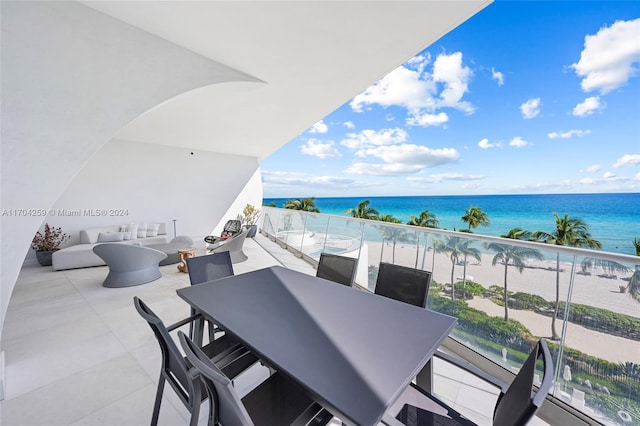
x=251 y=215
x=48 y=242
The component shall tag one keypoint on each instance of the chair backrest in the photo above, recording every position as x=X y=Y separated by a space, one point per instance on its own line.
x=232 y=227
x=209 y=267
x=234 y=247
x=339 y=269
x=402 y=283
x=516 y=406
x=174 y=367
x=227 y=406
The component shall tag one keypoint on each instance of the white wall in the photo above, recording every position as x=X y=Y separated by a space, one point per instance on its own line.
x=156 y=183
x=71 y=78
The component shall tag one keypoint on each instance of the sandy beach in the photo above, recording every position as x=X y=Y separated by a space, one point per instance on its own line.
x=539 y=277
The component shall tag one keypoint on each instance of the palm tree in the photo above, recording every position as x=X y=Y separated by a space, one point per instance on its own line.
x=474 y=217
x=391 y=233
x=456 y=247
x=633 y=288
x=510 y=254
x=571 y=232
x=426 y=219
x=632 y=372
x=305 y=204
x=363 y=211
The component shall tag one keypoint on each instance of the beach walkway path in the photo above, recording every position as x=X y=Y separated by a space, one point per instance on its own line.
x=601 y=345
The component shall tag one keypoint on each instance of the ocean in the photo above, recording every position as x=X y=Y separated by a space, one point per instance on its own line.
x=613 y=219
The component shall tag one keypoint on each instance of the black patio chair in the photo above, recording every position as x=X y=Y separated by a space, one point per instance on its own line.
x=278 y=401
x=231 y=228
x=176 y=370
x=515 y=405
x=339 y=269
x=402 y=283
x=207 y=268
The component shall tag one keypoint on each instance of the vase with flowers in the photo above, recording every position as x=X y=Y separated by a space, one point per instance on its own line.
x=47 y=242
x=250 y=216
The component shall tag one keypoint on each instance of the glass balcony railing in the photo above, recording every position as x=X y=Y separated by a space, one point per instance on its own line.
x=506 y=294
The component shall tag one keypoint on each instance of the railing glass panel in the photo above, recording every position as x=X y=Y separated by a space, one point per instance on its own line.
x=506 y=294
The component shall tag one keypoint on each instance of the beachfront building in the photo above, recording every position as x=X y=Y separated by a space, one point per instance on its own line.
x=121 y=112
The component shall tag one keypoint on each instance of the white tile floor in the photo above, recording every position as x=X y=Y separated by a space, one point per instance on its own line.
x=78 y=353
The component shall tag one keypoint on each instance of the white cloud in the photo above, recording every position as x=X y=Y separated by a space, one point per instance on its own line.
x=588 y=181
x=448 y=69
x=401 y=87
x=382 y=169
x=518 y=142
x=284 y=179
x=637 y=177
x=568 y=134
x=426 y=119
x=609 y=57
x=413 y=154
x=588 y=107
x=349 y=125
x=441 y=177
x=319 y=127
x=484 y=144
x=497 y=76
x=612 y=177
x=594 y=168
x=627 y=160
x=369 y=138
x=412 y=87
x=320 y=149
x=531 y=108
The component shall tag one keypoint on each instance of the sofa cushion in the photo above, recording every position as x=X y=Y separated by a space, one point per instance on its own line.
x=111 y=237
x=131 y=229
x=152 y=229
x=142 y=230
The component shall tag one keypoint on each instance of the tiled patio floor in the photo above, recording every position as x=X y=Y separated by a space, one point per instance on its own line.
x=78 y=353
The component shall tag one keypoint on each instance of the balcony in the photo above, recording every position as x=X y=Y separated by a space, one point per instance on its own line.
x=78 y=353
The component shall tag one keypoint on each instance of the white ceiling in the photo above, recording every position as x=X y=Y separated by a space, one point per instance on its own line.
x=309 y=57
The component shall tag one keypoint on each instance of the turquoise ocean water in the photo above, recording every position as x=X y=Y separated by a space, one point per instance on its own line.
x=613 y=219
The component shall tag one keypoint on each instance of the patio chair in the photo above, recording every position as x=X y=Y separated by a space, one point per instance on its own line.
x=402 y=283
x=207 y=268
x=276 y=401
x=233 y=246
x=339 y=269
x=231 y=228
x=227 y=355
x=515 y=405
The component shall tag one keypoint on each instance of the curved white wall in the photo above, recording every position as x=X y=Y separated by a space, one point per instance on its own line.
x=155 y=183
x=71 y=78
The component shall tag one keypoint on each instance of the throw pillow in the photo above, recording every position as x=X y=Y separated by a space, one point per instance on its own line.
x=126 y=231
x=132 y=229
x=110 y=237
x=142 y=230
x=152 y=229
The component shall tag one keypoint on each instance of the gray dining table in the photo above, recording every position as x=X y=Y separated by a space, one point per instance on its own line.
x=353 y=351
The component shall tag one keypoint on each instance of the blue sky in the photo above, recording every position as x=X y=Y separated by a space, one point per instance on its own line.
x=524 y=97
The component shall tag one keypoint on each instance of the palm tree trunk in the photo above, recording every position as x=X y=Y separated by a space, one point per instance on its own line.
x=453 y=267
x=506 y=301
x=393 y=253
x=554 y=333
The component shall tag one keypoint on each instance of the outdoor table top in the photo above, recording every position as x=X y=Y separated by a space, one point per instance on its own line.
x=355 y=352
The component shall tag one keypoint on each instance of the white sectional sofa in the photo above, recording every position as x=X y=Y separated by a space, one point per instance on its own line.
x=82 y=255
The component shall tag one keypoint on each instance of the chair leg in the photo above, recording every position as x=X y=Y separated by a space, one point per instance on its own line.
x=196 y=402
x=156 y=406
